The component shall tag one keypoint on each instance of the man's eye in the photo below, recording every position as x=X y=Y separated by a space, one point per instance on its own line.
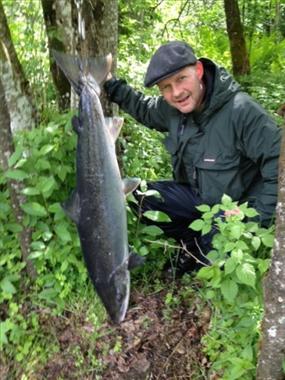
x=164 y=88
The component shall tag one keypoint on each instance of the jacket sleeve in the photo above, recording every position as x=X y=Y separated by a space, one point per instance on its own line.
x=261 y=139
x=147 y=110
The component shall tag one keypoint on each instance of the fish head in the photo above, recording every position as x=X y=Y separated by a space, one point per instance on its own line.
x=115 y=295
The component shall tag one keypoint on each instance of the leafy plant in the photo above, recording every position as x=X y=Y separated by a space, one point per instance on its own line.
x=240 y=257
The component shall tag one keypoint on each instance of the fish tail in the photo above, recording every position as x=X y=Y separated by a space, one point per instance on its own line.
x=75 y=68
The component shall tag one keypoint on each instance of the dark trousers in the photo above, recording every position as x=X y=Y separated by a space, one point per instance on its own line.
x=179 y=202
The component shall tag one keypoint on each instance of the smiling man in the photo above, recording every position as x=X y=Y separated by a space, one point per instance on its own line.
x=220 y=140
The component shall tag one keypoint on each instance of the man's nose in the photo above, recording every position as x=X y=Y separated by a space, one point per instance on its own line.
x=176 y=91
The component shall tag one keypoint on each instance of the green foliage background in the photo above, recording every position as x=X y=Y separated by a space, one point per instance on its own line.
x=44 y=163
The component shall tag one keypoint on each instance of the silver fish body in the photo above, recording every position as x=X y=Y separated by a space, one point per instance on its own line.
x=97 y=205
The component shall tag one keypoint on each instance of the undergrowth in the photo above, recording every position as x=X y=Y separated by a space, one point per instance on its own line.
x=44 y=164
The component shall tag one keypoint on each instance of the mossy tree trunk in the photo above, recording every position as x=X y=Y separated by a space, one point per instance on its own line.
x=272 y=353
x=60 y=33
x=17 y=90
x=14 y=187
x=239 y=54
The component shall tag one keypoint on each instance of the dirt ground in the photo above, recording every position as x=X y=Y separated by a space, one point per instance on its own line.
x=159 y=339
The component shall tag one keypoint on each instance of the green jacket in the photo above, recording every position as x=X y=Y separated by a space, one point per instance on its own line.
x=230 y=147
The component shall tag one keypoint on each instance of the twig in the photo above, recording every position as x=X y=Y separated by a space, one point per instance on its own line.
x=200 y=250
x=192 y=255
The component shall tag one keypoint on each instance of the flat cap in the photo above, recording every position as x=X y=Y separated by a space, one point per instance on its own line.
x=167 y=60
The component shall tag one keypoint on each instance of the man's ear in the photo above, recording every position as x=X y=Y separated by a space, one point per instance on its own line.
x=199 y=69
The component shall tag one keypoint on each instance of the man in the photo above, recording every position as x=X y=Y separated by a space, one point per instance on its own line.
x=220 y=140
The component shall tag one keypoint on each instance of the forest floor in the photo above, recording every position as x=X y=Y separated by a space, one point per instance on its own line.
x=159 y=339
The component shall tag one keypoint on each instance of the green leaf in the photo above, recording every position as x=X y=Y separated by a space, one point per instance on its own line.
x=216 y=280
x=205 y=273
x=157 y=216
x=35 y=254
x=203 y=208
x=250 y=212
x=143 y=251
x=247 y=353
x=263 y=265
x=227 y=200
x=48 y=294
x=206 y=229
x=46 y=149
x=14 y=227
x=16 y=174
x=242 y=245
x=246 y=274
x=62 y=232
x=268 y=240
x=229 y=290
x=208 y=215
x=4 y=328
x=152 y=230
x=229 y=246
x=45 y=185
x=30 y=191
x=38 y=245
x=230 y=265
x=7 y=286
x=42 y=164
x=55 y=208
x=255 y=242
x=215 y=209
x=197 y=225
x=236 y=231
x=34 y=209
x=15 y=157
x=237 y=255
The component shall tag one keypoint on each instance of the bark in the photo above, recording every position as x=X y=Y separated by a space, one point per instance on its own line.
x=58 y=22
x=17 y=89
x=240 y=60
x=14 y=187
x=272 y=352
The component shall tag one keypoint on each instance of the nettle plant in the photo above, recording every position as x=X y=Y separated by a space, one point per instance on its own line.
x=232 y=284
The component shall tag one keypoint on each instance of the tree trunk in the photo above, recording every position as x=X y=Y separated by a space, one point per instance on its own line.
x=19 y=99
x=240 y=60
x=101 y=22
x=14 y=187
x=58 y=21
x=272 y=353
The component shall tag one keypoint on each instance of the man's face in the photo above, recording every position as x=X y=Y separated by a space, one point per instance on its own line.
x=185 y=89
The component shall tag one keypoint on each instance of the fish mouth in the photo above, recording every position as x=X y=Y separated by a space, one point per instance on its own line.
x=119 y=316
x=123 y=309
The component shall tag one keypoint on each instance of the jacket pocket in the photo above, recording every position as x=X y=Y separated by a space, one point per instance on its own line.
x=217 y=175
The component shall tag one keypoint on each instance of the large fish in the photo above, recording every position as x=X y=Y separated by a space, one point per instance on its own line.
x=97 y=205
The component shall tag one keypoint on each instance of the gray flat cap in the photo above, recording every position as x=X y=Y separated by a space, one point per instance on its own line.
x=167 y=60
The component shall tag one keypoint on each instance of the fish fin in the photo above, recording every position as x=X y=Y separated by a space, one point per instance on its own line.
x=99 y=67
x=135 y=261
x=70 y=65
x=74 y=67
x=114 y=124
x=130 y=184
x=72 y=207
